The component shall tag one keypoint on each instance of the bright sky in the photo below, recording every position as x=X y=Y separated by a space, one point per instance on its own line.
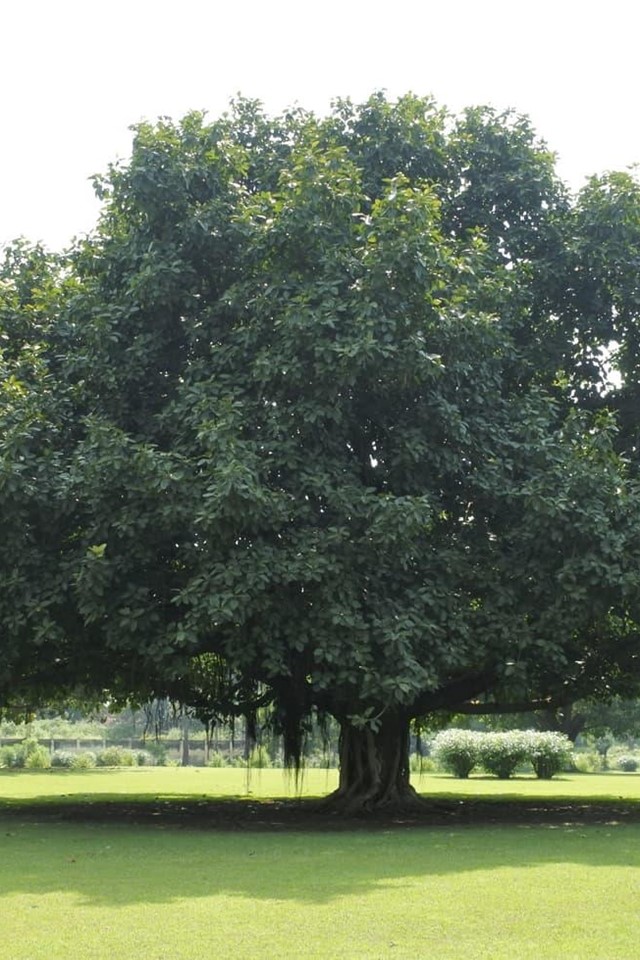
x=74 y=74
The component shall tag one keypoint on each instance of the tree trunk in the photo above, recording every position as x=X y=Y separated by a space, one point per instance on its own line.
x=184 y=743
x=374 y=769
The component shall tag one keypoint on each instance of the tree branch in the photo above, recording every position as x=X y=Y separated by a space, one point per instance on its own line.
x=452 y=694
x=515 y=706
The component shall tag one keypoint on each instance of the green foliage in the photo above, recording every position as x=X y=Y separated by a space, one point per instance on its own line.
x=616 y=718
x=216 y=759
x=9 y=757
x=314 y=759
x=419 y=764
x=158 y=752
x=38 y=758
x=501 y=753
x=586 y=761
x=259 y=758
x=548 y=752
x=602 y=745
x=62 y=758
x=29 y=753
x=628 y=764
x=317 y=422
x=457 y=751
x=115 y=756
x=84 y=760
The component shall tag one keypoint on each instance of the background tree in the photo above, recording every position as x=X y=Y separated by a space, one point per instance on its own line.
x=312 y=418
x=618 y=719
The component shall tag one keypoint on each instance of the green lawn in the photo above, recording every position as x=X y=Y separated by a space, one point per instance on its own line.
x=93 y=891
x=146 y=782
x=56 y=786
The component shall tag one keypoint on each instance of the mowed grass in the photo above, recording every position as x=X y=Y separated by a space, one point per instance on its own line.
x=139 y=784
x=104 y=890
x=144 y=783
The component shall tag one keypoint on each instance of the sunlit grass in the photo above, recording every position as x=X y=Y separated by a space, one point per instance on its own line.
x=129 y=893
x=578 y=786
x=54 y=786
x=104 y=891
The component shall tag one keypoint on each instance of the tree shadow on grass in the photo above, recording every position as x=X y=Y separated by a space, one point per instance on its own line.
x=507 y=802
x=160 y=853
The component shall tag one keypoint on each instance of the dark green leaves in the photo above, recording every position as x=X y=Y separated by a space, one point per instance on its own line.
x=309 y=414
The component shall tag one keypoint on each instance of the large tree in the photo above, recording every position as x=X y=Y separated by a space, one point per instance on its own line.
x=318 y=419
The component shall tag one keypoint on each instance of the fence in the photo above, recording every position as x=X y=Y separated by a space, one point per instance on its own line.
x=190 y=752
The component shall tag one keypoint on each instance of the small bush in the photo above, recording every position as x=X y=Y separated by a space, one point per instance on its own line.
x=85 y=760
x=17 y=756
x=158 y=751
x=628 y=764
x=62 y=758
x=587 y=762
x=21 y=752
x=259 y=758
x=143 y=758
x=38 y=759
x=315 y=760
x=548 y=752
x=502 y=753
x=9 y=757
x=457 y=751
x=419 y=764
x=115 y=757
x=603 y=745
x=216 y=759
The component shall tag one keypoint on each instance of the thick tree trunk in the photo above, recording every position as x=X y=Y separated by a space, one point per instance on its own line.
x=374 y=769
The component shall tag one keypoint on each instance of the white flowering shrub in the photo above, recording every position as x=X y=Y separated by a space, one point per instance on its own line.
x=502 y=753
x=549 y=752
x=456 y=751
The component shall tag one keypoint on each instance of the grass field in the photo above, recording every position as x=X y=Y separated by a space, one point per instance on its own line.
x=58 y=786
x=92 y=891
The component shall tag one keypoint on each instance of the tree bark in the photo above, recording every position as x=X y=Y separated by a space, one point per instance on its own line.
x=374 y=769
x=184 y=742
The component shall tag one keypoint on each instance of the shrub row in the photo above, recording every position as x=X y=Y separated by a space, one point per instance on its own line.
x=29 y=754
x=500 y=754
x=258 y=759
x=32 y=755
x=109 y=757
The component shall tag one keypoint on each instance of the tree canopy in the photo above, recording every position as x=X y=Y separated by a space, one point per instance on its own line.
x=329 y=415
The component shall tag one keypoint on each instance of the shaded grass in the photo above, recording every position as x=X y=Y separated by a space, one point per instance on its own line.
x=268 y=800
x=173 y=784
x=99 y=891
x=506 y=892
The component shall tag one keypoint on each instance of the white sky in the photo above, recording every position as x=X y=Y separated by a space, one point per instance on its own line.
x=74 y=74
